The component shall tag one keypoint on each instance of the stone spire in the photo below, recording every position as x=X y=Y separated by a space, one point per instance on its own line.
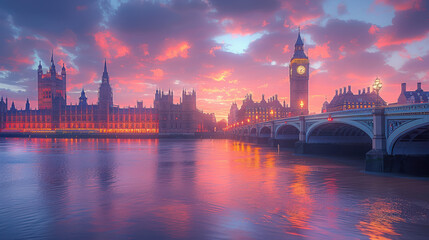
x=52 y=63
x=299 y=41
x=105 y=74
x=63 y=70
x=83 y=98
x=299 y=47
x=27 y=105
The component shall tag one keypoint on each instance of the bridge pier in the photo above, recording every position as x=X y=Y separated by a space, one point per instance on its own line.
x=300 y=146
x=377 y=156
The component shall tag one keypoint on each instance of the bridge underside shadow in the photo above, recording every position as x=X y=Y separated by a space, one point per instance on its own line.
x=410 y=153
x=287 y=136
x=264 y=135
x=338 y=139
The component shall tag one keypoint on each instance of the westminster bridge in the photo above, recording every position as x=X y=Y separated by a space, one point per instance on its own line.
x=384 y=133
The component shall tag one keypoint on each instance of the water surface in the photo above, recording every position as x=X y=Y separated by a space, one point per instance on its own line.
x=198 y=189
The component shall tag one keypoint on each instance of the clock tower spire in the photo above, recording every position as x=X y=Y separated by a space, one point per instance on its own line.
x=299 y=75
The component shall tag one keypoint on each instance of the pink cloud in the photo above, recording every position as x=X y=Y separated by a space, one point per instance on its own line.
x=213 y=49
x=157 y=73
x=402 y=5
x=145 y=49
x=389 y=40
x=111 y=46
x=319 y=51
x=286 y=48
x=373 y=29
x=175 y=49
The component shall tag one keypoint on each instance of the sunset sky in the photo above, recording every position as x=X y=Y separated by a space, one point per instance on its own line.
x=223 y=49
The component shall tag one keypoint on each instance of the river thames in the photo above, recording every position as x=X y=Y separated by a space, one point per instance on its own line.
x=198 y=189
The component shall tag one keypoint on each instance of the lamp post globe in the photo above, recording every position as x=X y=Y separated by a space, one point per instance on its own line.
x=377 y=87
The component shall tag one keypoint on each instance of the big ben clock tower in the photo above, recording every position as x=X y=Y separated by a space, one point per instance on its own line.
x=299 y=75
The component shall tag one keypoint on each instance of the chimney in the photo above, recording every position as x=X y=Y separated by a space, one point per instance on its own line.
x=404 y=87
x=363 y=91
x=336 y=92
x=341 y=91
x=359 y=91
x=344 y=90
x=369 y=90
x=350 y=88
x=419 y=86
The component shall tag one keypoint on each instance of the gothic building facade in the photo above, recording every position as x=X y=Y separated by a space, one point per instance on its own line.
x=54 y=115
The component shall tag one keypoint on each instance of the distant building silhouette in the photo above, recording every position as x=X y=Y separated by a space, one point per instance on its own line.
x=417 y=96
x=54 y=113
x=232 y=116
x=346 y=100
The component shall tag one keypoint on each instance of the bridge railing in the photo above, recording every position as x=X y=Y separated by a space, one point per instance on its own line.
x=410 y=108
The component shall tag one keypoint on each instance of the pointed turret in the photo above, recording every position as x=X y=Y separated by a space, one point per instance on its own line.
x=105 y=74
x=299 y=47
x=27 y=105
x=52 y=68
x=105 y=95
x=63 y=71
x=83 y=98
x=12 y=107
x=299 y=41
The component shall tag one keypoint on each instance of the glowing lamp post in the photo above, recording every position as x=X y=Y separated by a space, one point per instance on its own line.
x=377 y=87
x=301 y=104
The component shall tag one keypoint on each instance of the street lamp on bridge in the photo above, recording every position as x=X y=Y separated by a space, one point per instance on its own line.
x=377 y=87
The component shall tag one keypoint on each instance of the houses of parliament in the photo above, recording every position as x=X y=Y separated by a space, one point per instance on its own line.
x=53 y=113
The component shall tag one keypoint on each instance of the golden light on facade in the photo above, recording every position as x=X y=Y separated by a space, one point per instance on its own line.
x=301 y=104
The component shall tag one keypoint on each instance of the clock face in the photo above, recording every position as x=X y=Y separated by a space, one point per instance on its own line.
x=300 y=69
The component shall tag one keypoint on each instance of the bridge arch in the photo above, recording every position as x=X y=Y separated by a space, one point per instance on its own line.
x=410 y=139
x=253 y=131
x=287 y=131
x=246 y=131
x=343 y=123
x=265 y=132
x=339 y=132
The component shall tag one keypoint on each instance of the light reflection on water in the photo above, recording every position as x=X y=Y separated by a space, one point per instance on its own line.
x=198 y=189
